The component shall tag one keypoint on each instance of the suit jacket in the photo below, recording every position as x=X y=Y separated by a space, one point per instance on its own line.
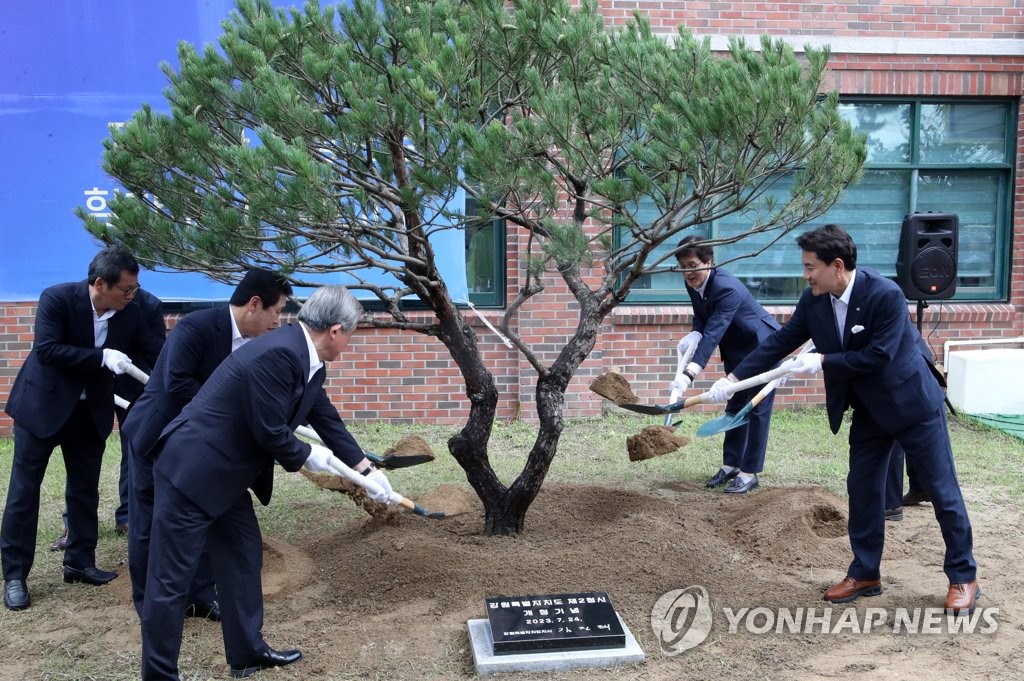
x=729 y=318
x=151 y=322
x=243 y=420
x=884 y=369
x=198 y=344
x=64 y=361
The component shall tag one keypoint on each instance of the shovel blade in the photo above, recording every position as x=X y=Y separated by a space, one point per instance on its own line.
x=392 y=461
x=654 y=409
x=723 y=423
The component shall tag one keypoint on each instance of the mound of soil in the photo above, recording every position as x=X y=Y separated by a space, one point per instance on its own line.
x=614 y=387
x=448 y=499
x=654 y=441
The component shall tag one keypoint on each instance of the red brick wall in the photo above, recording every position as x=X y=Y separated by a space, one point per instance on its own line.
x=981 y=19
x=405 y=377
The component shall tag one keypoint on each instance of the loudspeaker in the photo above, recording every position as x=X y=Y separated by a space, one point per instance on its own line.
x=926 y=263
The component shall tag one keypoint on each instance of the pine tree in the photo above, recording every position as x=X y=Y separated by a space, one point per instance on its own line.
x=371 y=117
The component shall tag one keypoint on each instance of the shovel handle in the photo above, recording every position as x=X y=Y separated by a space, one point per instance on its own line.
x=306 y=431
x=763 y=393
x=137 y=373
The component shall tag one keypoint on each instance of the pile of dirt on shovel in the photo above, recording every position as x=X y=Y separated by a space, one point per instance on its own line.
x=654 y=441
x=614 y=387
x=379 y=511
x=411 y=445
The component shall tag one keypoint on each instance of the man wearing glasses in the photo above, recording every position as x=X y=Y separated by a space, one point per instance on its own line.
x=64 y=396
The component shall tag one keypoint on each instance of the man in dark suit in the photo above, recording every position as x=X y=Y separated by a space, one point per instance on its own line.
x=128 y=388
x=726 y=316
x=64 y=396
x=872 y=362
x=224 y=442
x=198 y=344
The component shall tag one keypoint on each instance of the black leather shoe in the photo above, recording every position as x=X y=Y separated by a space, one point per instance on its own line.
x=893 y=514
x=737 y=486
x=61 y=542
x=914 y=497
x=16 y=594
x=270 y=658
x=721 y=477
x=89 y=575
x=207 y=610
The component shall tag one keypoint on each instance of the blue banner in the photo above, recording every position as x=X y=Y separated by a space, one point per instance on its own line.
x=69 y=69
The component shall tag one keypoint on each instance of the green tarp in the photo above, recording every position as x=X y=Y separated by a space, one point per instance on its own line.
x=1012 y=424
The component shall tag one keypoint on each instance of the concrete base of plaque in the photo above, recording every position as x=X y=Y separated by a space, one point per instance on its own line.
x=488 y=663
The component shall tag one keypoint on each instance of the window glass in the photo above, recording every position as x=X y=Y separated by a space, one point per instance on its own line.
x=976 y=196
x=963 y=133
x=888 y=127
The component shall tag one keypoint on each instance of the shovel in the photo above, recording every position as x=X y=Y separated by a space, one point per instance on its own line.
x=390 y=461
x=684 y=359
x=729 y=421
x=654 y=409
x=395 y=498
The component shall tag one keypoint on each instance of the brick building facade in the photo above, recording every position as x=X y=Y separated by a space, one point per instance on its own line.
x=971 y=49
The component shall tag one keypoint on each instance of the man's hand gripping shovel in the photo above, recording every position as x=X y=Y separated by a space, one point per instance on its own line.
x=683 y=359
x=729 y=421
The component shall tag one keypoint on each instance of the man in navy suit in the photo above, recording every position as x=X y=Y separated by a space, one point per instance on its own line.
x=225 y=442
x=199 y=343
x=64 y=396
x=726 y=316
x=128 y=388
x=872 y=361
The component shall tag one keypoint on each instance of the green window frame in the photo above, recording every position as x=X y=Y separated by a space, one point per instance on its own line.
x=485 y=260
x=938 y=154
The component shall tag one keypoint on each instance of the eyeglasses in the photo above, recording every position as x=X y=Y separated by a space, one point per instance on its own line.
x=128 y=291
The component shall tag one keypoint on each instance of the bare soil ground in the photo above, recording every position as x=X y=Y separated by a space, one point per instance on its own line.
x=384 y=600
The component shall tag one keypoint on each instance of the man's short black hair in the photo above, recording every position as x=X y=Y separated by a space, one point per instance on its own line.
x=704 y=253
x=269 y=286
x=110 y=263
x=829 y=243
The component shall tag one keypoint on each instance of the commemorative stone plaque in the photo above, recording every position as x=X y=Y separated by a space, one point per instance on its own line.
x=554 y=622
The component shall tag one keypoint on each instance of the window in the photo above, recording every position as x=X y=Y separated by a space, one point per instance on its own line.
x=952 y=156
x=485 y=259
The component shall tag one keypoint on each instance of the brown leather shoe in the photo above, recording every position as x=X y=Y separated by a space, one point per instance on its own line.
x=850 y=589
x=61 y=542
x=960 y=598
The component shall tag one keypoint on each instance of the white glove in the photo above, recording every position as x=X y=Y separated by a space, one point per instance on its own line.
x=377 y=476
x=721 y=391
x=681 y=384
x=115 y=360
x=321 y=460
x=807 y=363
x=689 y=341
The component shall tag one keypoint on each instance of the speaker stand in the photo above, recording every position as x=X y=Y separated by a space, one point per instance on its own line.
x=921 y=305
